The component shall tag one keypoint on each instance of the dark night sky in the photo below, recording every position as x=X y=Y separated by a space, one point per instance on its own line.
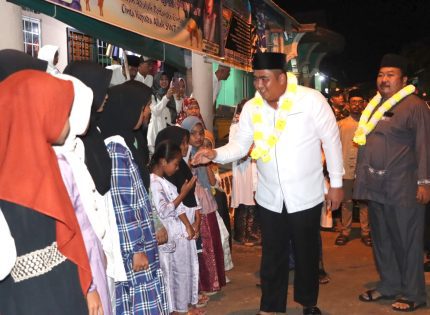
x=371 y=28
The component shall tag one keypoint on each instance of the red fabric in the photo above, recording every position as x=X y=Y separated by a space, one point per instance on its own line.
x=211 y=260
x=183 y=113
x=34 y=108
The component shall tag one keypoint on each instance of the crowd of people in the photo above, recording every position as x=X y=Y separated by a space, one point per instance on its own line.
x=110 y=209
x=110 y=194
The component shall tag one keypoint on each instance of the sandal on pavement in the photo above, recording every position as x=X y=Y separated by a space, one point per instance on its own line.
x=341 y=240
x=371 y=296
x=410 y=305
x=196 y=311
x=203 y=301
x=367 y=240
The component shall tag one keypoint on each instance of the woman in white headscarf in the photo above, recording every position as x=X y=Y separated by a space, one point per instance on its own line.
x=49 y=53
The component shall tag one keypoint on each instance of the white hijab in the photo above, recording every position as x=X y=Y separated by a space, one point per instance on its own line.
x=73 y=151
x=47 y=53
x=98 y=208
x=7 y=248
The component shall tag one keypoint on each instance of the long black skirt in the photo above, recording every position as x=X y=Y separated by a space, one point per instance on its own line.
x=55 y=292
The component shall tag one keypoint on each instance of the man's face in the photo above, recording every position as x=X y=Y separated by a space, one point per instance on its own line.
x=356 y=105
x=270 y=84
x=338 y=101
x=390 y=80
x=144 y=68
x=133 y=72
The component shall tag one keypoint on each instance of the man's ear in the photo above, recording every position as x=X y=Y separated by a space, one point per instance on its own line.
x=405 y=80
x=282 y=77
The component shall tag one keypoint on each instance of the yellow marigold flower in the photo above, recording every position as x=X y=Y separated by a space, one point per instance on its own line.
x=258 y=101
x=257 y=118
x=397 y=97
x=266 y=158
x=258 y=135
x=286 y=105
x=280 y=124
x=378 y=115
x=360 y=136
x=272 y=140
x=256 y=153
x=360 y=140
x=366 y=113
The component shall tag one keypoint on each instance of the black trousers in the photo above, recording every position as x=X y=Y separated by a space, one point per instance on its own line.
x=277 y=229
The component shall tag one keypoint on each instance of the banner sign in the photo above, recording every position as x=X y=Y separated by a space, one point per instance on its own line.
x=190 y=24
x=204 y=26
x=237 y=40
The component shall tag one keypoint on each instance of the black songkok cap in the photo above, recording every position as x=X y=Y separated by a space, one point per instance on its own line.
x=269 y=61
x=395 y=61
x=143 y=59
x=133 y=60
x=355 y=93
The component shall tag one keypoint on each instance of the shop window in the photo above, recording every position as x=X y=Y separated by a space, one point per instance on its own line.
x=101 y=53
x=31 y=34
x=80 y=46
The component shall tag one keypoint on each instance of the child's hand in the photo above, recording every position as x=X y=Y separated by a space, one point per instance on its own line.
x=94 y=303
x=170 y=92
x=140 y=262
x=186 y=187
x=190 y=231
x=196 y=228
x=161 y=236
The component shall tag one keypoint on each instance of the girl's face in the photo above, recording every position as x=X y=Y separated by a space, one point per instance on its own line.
x=184 y=146
x=102 y=106
x=171 y=167
x=207 y=144
x=164 y=81
x=197 y=135
x=193 y=109
x=140 y=121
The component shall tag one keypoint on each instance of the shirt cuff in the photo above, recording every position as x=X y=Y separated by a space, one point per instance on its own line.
x=336 y=182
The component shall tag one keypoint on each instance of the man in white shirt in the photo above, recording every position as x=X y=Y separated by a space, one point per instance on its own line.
x=143 y=71
x=288 y=124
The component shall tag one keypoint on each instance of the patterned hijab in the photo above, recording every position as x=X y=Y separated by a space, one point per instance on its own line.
x=183 y=114
x=189 y=123
x=29 y=172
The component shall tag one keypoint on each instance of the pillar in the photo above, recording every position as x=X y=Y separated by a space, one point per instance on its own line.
x=202 y=88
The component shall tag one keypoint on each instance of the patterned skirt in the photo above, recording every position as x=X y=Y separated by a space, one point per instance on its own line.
x=211 y=260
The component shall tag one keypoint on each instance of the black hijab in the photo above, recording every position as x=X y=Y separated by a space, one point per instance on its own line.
x=12 y=60
x=176 y=135
x=121 y=115
x=96 y=156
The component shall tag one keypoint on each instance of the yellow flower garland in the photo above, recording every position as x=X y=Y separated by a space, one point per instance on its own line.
x=263 y=143
x=367 y=123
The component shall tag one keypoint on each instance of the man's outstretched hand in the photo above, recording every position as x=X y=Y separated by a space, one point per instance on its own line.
x=203 y=156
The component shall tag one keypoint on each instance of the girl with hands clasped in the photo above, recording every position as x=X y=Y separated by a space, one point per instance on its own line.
x=178 y=256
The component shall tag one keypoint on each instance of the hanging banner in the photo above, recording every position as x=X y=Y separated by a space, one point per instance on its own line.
x=190 y=24
x=237 y=39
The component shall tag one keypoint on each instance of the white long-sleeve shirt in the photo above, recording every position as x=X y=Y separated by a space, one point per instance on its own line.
x=294 y=174
x=160 y=118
